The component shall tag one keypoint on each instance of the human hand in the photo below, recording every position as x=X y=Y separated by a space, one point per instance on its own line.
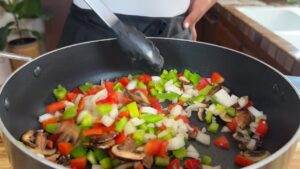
x=197 y=9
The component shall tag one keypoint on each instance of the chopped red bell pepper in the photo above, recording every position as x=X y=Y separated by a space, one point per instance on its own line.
x=120 y=138
x=123 y=114
x=122 y=98
x=156 y=147
x=216 y=78
x=232 y=125
x=50 y=144
x=262 y=128
x=109 y=86
x=138 y=165
x=202 y=84
x=155 y=104
x=48 y=121
x=71 y=96
x=124 y=81
x=81 y=104
x=64 y=148
x=174 y=164
x=93 y=90
x=78 y=163
x=192 y=164
x=221 y=142
x=145 y=78
x=93 y=131
x=242 y=161
x=56 y=106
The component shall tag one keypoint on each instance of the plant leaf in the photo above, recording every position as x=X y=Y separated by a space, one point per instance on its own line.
x=37 y=34
x=29 y=9
x=4 y=32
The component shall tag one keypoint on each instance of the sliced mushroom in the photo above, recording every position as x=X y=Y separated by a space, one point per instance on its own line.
x=53 y=157
x=41 y=143
x=128 y=145
x=200 y=113
x=63 y=160
x=243 y=119
x=138 y=96
x=28 y=138
x=104 y=141
x=130 y=155
x=147 y=161
x=195 y=107
x=125 y=165
x=257 y=155
x=69 y=133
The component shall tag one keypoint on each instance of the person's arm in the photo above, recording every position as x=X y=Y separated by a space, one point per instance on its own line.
x=197 y=9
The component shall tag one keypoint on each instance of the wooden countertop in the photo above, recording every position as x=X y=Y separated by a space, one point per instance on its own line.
x=4 y=164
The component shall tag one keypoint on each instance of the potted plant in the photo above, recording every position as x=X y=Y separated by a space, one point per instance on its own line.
x=26 y=41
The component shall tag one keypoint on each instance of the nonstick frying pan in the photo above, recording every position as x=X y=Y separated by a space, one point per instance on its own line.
x=24 y=95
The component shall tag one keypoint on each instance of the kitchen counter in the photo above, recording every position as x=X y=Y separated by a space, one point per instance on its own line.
x=278 y=50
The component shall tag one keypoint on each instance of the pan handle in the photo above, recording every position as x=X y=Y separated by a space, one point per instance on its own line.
x=15 y=56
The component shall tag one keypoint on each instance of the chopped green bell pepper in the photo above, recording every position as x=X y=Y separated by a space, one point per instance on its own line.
x=138 y=136
x=231 y=111
x=60 y=92
x=70 y=112
x=91 y=157
x=51 y=128
x=78 y=152
x=208 y=117
x=141 y=85
x=99 y=154
x=85 y=87
x=180 y=153
x=120 y=125
x=151 y=118
x=167 y=96
x=104 y=109
x=206 y=160
x=133 y=109
x=87 y=121
x=106 y=163
x=162 y=161
x=118 y=87
x=213 y=127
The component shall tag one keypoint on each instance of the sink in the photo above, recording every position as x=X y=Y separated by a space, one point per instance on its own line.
x=283 y=21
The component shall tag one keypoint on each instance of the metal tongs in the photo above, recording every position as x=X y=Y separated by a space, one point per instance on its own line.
x=132 y=41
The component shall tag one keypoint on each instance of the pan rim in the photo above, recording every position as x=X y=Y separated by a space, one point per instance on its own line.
x=259 y=164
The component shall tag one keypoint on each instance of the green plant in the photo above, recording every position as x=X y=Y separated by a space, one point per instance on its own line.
x=20 y=9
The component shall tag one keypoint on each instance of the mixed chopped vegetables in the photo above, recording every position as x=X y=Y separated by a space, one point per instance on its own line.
x=139 y=121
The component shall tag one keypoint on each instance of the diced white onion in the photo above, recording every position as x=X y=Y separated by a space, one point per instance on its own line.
x=57 y=114
x=234 y=99
x=131 y=85
x=176 y=142
x=170 y=87
x=176 y=110
x=203 y=138
x=96 y=166
x=149 y=136
x=224 y=98
x=192 y=152
x=136 y=121
x=114 y=111
x=107 y=121
x=163 y=133
x=251 y=144
x=45 y=117
x=243 y=101
x=101 y=95
x=225 y=129
x=149 y=110
x=155 y=78
x=256 y=113
x=129 y=128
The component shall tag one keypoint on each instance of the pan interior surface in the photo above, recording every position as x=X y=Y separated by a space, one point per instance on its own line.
x=29 y=90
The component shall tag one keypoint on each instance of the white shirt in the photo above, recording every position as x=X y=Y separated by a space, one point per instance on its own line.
x=149 y=8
